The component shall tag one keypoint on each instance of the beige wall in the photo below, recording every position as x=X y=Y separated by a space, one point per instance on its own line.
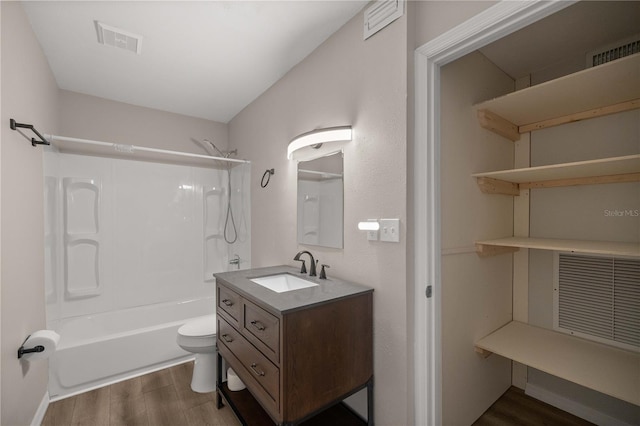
x=29 y=95
x=351 y=81
x=90 y=117
x=434 y=18
x=578 y=213
x=476 y=292
x=362 y=83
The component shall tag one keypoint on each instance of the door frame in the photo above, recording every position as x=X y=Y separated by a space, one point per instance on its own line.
x=492 y=24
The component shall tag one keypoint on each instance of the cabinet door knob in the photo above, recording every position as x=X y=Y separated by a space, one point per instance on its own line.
x=257 y=324
x=227 y=302
x=226 y=338
x=253 y=367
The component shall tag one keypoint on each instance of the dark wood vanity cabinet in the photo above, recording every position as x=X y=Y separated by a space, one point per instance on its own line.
x=300 y=361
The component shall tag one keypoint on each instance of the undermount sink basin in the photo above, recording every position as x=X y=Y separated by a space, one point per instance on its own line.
x=281 y=283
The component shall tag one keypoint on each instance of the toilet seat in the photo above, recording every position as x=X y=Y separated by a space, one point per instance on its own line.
x=198 y=335
x=201 y=327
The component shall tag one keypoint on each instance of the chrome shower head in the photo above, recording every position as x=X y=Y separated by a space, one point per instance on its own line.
x=225 y=154
x=212 y=145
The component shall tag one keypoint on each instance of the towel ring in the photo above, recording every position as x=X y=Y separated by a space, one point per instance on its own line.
x=267 y=174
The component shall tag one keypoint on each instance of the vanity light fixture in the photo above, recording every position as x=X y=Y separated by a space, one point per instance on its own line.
x=319 y=143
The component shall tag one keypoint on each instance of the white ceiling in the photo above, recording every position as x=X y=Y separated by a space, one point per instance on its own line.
x=205 y=59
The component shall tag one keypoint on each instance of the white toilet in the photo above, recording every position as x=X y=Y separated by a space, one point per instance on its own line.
x=199 y=337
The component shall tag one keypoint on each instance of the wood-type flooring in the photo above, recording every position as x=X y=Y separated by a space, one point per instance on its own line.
x=165 y=398
x=514 y=408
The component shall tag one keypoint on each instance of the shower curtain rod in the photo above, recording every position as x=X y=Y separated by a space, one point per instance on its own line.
x=133 y=148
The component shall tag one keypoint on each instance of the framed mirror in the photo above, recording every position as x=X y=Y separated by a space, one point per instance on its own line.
x=321 y=201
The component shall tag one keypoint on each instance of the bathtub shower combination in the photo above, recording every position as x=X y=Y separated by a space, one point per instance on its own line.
x=130 y=252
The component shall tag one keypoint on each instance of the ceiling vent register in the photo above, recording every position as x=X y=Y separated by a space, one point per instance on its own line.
x=116 y=37
x=380 y=14
x=598 y=298
x=614 y=51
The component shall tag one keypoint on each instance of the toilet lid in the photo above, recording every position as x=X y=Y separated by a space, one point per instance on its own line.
x=201 y=327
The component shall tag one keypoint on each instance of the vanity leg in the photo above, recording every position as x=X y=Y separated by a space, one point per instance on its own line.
x=370 y=402
x=218 y=381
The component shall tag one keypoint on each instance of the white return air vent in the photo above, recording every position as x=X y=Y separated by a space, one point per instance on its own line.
x=116 y=37
x=598 y=298
x=380 y=14
x=611 y=52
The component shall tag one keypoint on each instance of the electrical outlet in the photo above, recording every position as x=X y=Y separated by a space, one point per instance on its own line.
x=390 y=230
x=372 y=235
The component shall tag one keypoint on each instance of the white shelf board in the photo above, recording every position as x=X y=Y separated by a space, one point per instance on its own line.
x=581 y=169
x=608 y=84
x=604 y=368
x=576 y=246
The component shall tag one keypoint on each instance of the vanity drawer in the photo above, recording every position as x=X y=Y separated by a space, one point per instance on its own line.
x=228 y=335
x=260 y=369
x=263 y=329
x=230 y=302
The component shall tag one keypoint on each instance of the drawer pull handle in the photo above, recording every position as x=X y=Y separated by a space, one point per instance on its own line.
x=253 y=367
x=227 y=302
x=257 y=324
x=226 y=338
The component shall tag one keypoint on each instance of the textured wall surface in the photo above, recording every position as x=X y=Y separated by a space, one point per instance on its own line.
x=347 y=80
x=89 y=117
x=476 y=292
x=29 y=95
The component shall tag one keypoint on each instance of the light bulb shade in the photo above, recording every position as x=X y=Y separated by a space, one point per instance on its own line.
x=319 y=143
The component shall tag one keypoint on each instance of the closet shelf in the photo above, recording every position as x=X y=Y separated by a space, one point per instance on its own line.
x=605 y=170
x=606 y=89
x=492 y=247
x=604 y=368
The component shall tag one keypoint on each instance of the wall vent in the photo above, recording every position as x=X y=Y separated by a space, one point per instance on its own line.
x=614 y=51
x=380 y=14
x=116 y=37
x=598 y=298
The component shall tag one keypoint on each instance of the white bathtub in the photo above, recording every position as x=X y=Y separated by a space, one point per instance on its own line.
x=105 y=348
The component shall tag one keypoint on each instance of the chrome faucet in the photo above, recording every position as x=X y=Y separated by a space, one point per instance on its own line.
x=235 y=261
x=312 y=268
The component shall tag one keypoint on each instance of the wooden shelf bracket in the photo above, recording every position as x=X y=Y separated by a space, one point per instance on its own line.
x=483 y=352
x=493 y=122
x=496 y=186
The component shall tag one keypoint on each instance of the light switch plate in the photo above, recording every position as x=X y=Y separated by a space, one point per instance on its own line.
x=390 y=230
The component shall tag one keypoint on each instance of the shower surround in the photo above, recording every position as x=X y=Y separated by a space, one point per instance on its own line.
x=130 y=252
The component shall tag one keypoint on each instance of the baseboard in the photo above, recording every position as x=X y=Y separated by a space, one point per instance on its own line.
x=573 y=407
x=42 y=410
